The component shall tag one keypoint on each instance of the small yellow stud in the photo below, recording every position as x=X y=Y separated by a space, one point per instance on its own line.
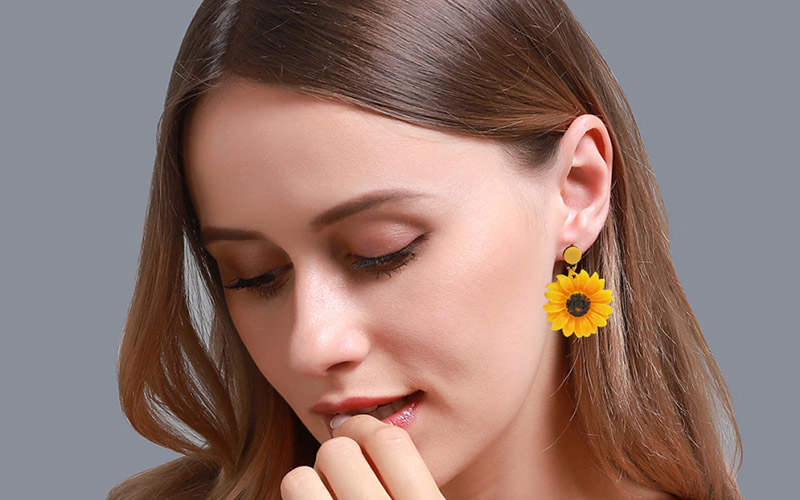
x=572 y=255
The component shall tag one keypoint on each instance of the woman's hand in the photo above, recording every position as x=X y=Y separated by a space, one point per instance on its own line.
x=365 y=460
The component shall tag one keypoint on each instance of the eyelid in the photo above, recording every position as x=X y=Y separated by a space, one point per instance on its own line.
x=245 y=282
x=408 y=250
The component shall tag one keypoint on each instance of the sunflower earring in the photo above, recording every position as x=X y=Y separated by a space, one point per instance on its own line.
x=577 y=302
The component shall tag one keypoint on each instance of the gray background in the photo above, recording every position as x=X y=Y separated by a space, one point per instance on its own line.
x=713 y=88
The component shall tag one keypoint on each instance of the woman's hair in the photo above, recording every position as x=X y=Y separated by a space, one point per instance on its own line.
x=651 y=400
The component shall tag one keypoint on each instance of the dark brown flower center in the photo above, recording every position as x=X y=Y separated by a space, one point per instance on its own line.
x=578 y=304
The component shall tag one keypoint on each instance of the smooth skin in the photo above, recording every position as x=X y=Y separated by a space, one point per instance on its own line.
x=366 y=459
x=462 y=321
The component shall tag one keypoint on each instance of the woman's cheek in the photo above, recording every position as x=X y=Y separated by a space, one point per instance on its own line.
x=260 y=331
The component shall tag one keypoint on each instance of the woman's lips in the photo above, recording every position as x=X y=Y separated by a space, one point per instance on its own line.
x=400 y=412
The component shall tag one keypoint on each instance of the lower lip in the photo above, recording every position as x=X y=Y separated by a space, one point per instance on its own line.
x=403 y=417
x=407 y=414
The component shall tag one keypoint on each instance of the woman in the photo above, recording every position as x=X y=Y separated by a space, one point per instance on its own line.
x=375 y=197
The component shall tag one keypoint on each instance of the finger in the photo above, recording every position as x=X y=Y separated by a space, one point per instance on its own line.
x=303 y=483
x=345 y=468
x=399 y=465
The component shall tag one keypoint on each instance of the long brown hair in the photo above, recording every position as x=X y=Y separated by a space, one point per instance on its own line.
x=652 y=401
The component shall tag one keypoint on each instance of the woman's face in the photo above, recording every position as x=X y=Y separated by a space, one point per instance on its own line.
x=462 y=320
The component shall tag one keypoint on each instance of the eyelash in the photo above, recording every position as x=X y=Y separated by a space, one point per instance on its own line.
x=264 y=287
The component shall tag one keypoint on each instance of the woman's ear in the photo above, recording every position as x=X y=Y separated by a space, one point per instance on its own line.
x=584 y=181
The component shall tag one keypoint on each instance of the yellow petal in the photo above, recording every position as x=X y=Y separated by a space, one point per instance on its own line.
x=569 y=327
x=559 y=322
x=587 y=280
x=588 y=327
x=579 y=327
x=556 y=296
x=578 y=280
x=566 y=283
x=551 y=307
x=602 y=309
x=597 y=319
x=594 y=285
x=551 y=316
x=554 y=286
x=603 y=297
x=589 y=288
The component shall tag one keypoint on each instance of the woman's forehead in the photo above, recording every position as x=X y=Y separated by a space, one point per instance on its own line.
x=248 y=141
x=240 y=107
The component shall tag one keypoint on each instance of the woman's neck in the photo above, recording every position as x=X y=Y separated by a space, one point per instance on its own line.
x=543 y=453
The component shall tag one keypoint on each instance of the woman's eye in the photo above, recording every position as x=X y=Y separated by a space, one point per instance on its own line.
x=267 y=285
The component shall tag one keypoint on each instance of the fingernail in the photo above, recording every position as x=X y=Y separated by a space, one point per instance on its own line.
x=338 y=420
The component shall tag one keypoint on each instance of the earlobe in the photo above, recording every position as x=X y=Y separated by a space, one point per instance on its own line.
x=585 y=181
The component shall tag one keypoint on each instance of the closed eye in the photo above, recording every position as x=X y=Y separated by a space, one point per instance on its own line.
x=267 y=285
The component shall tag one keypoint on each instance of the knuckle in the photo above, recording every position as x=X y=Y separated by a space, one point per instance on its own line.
x=336 y=447
x=297 y=480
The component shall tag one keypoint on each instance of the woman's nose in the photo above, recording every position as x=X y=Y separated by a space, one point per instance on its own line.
x=327 y=329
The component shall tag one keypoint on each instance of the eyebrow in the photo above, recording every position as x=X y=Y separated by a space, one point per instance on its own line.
x=327 y=218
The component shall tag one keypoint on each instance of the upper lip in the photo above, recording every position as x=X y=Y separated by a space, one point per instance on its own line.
x=331 y=406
